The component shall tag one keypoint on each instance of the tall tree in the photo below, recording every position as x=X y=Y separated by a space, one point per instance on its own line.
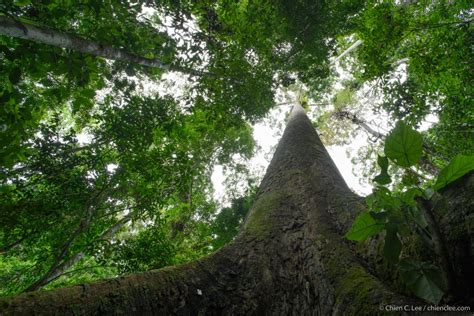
x=291 y=256
x=150 y=163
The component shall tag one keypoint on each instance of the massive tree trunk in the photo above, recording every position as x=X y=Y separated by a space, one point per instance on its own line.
x=290 y=258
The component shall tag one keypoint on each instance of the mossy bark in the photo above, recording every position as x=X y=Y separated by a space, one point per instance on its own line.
x=290 y=258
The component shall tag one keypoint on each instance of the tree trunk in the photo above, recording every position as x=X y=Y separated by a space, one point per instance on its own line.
x=15 y=28
x=454 y=211
x=290 y=258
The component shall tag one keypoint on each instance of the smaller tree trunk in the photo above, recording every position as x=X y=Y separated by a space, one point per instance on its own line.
x=15 y=28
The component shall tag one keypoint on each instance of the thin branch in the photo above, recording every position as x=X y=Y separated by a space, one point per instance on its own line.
x=77 y=270
x=442 y=24
x=14 y=244
x=347 y=51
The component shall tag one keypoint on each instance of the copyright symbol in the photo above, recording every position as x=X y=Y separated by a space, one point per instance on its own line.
x=381 y=307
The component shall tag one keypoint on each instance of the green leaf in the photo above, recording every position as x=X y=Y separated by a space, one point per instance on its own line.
x=382 y=162
x=418 y=217
x=408 y=197
x=392 y=246
x=22 y=3
x=404 y=145
x=459 y=166
x=424 y=279
x=370 y=200
x=363 y=227
x=383 y=199
x=380 y=217
x=383 y=178
x=410 y=178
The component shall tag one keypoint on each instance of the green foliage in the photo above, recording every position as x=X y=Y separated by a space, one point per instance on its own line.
x=392 y=246
x=145 y=170
x=343 y=99
x=404 y=145
x=434 y=41
x=364 y=226
x=161 y=161
x=151 y=248
x=424 y=279
x=230 y=219
x=459 y=166
x=383 y=178
x=398 y=214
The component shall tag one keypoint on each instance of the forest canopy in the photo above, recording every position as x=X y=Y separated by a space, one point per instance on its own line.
x=114 y=113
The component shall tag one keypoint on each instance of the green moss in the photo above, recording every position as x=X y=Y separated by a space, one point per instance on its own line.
x=259 y=223
x=355 y=282
x=358 y=287
x=357 y=292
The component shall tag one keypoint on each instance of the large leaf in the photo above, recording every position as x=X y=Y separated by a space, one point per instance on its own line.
x=404 y=145
x=424 y=279
x=459 y=166
x=382 y=199
x=383 y=178
x=363 y=227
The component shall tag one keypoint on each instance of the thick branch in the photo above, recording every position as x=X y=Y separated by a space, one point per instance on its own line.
x=347 y=51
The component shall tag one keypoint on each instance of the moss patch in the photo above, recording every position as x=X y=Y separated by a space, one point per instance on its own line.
x=260 y=222
x=360 y=289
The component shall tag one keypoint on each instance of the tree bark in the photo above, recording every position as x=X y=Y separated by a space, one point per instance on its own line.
x=15 y=28
x=290 y=258
x=454 y=211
